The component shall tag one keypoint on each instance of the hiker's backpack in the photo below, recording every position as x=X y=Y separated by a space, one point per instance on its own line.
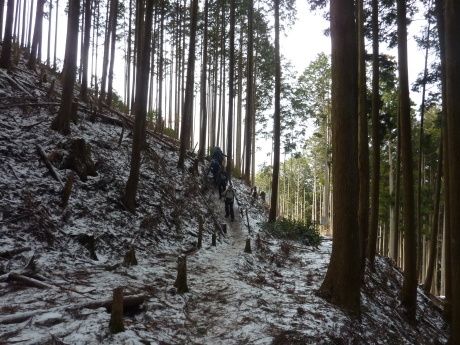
x=218 y=155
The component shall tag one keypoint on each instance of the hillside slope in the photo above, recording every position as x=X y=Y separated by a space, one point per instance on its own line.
x=266 y=297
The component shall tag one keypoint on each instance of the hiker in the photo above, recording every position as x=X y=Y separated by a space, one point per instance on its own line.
x=214 y=168
x=222 y=180
x=229 y=196
x=218 y=155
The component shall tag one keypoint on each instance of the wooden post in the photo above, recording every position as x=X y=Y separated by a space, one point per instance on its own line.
x=214 y=239
x=200 y=232
x=181 y=280
x=258 y=242
x=116 y=320
x=247 y=249
x=67 y=190
x=121 y=134
x=130 y=257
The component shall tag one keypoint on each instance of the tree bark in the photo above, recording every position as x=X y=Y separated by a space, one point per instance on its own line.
x=452 y=28
x=371 y=245
x=409 y=290
x=363 y=148
x=6 y=47
x=343 y=278
x=61 y=122
x=188 y=104
x=276 y=120
x=140 y=109
x=434 y=231
x=249 y=95
x=37 y=35
x=203 y=104
x=85 y=53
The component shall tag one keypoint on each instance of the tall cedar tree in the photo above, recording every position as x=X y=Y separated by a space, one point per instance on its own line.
x=61 y=122
x=112 y=53
x=447 y=240
x=6 y=47
x=36 y=41
x=140 y=105
x=435 y=226
x=85 y=53
x=203 y=104
x=231 y=90
x=409 y=290
x=276 y=119
x=343 y=278
x=363 y=149
x=371 y=245
x=452 y=28
x=2 y=6
x=249 y=95
x=188 y=104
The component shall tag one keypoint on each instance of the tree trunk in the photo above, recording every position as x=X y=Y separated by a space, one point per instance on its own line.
x=452 y=27
x=363 y=148
x=188 y=104
x=37 y=35
x=343 y=278
x=204 y=67
x=2 y=6
x=85 y=52
x=55 y=35
x=434 y=231
x=276 y=120
x=6 y=47
x=48 y=46
x=409 y=290
x=112 y=51
x=143 y=64
x=249 y=94
x=105 y=59
x=61 y=122
x=375 y=137
x=231 y=90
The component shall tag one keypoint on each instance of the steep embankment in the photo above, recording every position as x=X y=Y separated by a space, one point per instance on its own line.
x=53 y=292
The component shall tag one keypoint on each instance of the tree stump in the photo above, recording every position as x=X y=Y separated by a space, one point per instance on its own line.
x=76 y=155
x=130 y=257
x=89 y=242
x=67 y=190
x=181 y=280
x=116 y=319
x=247 y=248
x=258 y=242
x=213 y=240
x=200 y=232
x=262 y=195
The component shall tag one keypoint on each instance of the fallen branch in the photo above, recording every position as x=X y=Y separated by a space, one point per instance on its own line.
x=16 y=83
x=50 y=166
x=13 y=252
x=29 y=281
x=29 y=105
x=128 y=301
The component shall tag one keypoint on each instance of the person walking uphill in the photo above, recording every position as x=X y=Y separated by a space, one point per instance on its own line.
x=229 y=196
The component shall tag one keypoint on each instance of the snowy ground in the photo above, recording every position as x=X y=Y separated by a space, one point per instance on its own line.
x=266 y=297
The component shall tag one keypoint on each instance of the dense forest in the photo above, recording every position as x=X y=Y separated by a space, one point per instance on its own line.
x=380 y=173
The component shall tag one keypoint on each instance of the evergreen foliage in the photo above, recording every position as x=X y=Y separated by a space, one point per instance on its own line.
x=294 y=230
